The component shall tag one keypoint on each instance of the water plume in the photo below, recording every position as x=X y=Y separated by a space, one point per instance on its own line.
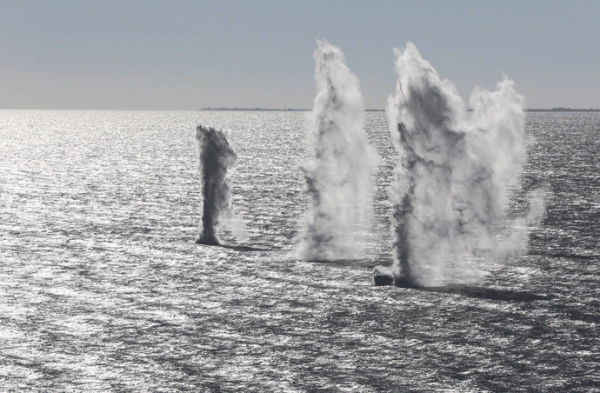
x=216 y=158
x=451 y=190
x=339 y=179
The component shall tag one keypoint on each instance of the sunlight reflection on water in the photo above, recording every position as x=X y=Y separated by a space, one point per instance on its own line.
x=102 y=287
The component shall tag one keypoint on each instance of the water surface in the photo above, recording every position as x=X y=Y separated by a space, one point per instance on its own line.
x=102 y=287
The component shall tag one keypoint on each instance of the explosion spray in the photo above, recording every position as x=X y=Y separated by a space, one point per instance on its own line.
x=216 y=157
x=339 y=180
x=452 y=187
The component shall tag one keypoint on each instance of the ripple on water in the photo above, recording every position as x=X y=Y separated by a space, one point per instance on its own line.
x=102 y=287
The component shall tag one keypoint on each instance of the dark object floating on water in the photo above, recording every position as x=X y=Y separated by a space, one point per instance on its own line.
x=383 y=276
x=382 y=280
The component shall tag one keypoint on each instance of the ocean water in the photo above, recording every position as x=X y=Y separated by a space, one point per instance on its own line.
x=102 y=287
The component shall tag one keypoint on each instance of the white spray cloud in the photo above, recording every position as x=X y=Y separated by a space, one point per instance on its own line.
x=453 y=185
x=339 y=179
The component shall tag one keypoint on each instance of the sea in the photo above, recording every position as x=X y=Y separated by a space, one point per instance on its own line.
x=103 y=288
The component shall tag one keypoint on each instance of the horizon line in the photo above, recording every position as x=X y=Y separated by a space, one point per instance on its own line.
x=555 y=109
x=241 y=109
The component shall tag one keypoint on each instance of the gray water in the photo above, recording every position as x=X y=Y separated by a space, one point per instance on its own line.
x=102 y=287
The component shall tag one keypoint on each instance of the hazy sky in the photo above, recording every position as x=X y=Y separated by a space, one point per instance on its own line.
x=134 y=54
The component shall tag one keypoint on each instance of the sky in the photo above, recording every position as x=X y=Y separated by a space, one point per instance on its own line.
x=187 y=55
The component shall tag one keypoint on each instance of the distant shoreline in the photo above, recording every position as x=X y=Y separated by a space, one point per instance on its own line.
x=256 y=109
x=377 y=110
x=562 y=110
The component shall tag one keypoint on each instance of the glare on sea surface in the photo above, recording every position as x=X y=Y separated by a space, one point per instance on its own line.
x=103 y=288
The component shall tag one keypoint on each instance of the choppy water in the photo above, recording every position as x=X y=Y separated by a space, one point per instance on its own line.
x=102 y=287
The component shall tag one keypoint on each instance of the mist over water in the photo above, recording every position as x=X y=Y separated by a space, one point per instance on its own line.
x=216 y=158
x=452 y=187
x=339 y=179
